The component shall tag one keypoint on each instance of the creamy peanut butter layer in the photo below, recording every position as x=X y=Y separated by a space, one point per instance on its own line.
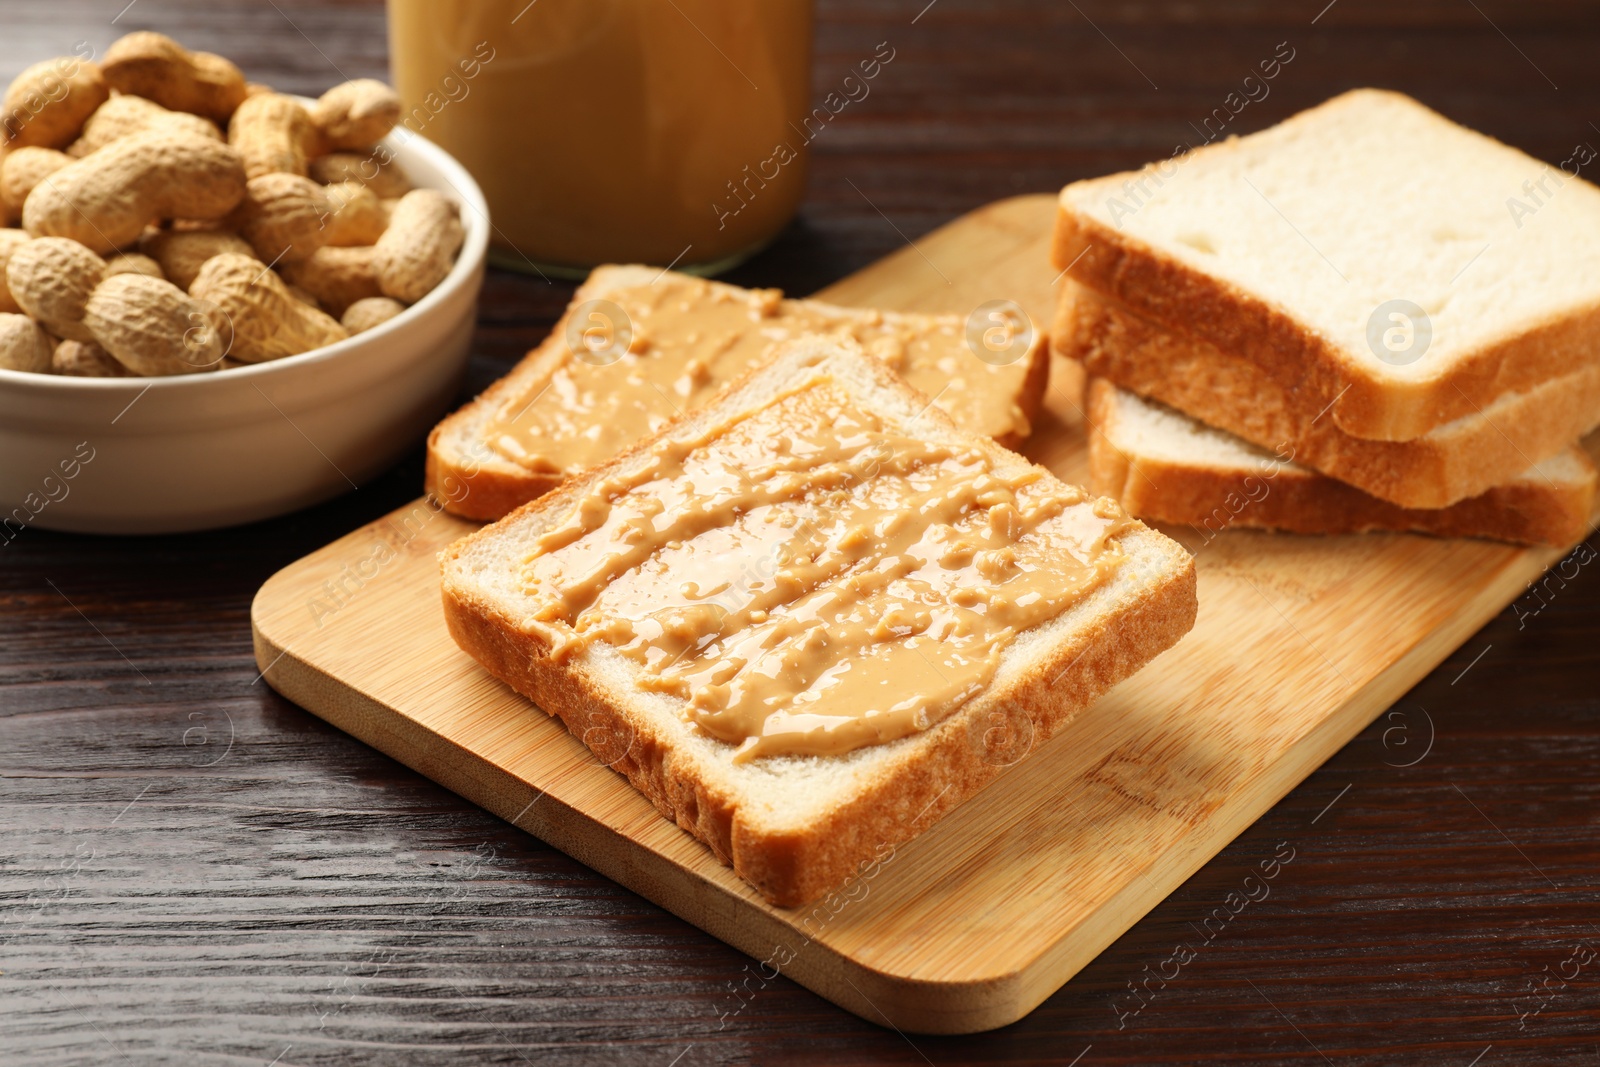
x=687 y=337
x=809 y=580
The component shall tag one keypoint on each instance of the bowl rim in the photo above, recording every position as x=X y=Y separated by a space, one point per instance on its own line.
x=470 y=259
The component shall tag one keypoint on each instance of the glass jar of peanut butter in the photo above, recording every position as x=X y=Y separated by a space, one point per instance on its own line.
x=667 y=132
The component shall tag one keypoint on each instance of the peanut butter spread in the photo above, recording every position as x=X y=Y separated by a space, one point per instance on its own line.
x=687 y=337
x=809 y=580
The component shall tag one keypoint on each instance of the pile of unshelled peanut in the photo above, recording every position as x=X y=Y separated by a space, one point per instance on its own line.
x=177 y=219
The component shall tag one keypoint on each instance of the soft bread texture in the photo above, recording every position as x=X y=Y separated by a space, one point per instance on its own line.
x=474 y=481
x=795 y=827
x=1164 y=466
x=1462 y=459
x=1279 y=247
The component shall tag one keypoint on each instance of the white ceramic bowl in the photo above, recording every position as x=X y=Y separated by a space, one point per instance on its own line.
x=199 y=451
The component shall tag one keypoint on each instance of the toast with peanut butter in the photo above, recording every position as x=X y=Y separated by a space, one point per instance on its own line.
x=639 y=347
x=1167 y=467
x=812 y=616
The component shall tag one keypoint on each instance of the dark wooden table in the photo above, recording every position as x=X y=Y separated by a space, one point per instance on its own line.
x=193 y=870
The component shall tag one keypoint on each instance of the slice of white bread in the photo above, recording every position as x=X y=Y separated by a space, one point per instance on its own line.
x=796 y=826
x=472 y=479
x=1286 y=247
x=1164 y=466
x=1461 y=459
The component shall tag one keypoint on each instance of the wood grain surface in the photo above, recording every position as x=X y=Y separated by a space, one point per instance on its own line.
x=1300 y=643
x=192 y=870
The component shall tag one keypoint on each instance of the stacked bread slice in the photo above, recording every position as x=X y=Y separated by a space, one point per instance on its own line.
x=1368 y=292
x=1165 y=466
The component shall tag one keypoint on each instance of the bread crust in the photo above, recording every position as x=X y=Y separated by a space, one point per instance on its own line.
x=483 y=487
x=927 y=774
x=1030 y=397
x=1178 y=296
x=1459 y=461
x=1157 y=488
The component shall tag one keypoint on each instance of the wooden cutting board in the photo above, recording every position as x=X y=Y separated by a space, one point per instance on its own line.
x=1300 y=643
